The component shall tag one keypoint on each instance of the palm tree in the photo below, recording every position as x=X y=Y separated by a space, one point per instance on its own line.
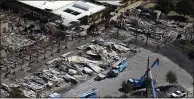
x=119 y=29
x=59 y=37
x=30 y=57
x=59 y=46
x=106 y=18
x=22 y=56
x=148 y=34
x=44 y=48
x=136 y=35
x=37 y=51
x=51 y=45
x=171 y=77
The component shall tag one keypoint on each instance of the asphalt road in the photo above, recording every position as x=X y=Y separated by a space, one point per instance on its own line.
x=135 y=69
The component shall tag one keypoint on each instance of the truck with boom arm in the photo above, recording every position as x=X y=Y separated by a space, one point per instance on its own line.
x=141 y=83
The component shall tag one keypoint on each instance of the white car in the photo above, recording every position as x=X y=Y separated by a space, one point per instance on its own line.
x=178 y=94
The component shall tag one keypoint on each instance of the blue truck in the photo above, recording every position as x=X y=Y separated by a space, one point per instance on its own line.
x=140 y=83
x=89 y=94
x=118 y=67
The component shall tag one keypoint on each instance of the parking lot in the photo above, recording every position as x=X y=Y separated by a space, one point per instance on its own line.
x=135 y=69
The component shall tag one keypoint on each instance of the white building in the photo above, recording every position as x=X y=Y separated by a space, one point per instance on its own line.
x=115 y=2
x=70 y=11
x=52 y=5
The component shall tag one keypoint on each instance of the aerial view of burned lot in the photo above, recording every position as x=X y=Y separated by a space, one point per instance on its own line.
x=97 y=49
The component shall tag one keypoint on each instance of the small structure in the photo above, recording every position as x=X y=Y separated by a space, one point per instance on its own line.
x=54 y=95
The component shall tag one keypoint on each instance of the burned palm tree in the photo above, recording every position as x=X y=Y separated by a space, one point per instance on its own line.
x=148 y=34
x=106 y=19
x=22 y=55
x=59 y=46
x=52 y=47
x=44 y=46
x=15 y=66
x=59 y=37
x=137 y=34
x=30 y=57
x=37 y=53
x=120 y=25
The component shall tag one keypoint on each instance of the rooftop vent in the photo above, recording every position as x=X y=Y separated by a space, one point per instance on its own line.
x=82 y=5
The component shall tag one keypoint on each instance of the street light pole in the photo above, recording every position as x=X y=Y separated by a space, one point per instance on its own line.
x=147 y=79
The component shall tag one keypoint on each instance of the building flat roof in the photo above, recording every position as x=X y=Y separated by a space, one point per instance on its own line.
x=53 y=5
x=81 y=8
x=116 y=2
x=69 y=10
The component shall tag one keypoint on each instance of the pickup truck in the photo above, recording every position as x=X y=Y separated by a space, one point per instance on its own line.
x=178 y=94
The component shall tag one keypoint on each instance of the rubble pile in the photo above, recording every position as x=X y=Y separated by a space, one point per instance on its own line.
x=73 y=67
x=14 y=42
x=143 y=21
x=19 y=32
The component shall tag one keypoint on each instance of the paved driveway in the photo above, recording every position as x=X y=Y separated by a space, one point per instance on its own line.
x=135 y=69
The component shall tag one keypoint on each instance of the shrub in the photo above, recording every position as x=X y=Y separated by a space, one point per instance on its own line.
x=171 y=77
x=127 y=88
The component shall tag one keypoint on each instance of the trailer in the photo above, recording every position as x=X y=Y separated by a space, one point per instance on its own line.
x=118 y=67
x=89 y=94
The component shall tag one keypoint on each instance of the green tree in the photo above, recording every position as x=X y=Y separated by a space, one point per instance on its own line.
x=127 y=88
x=166 y=5
x=185 y=7
x=171 y=77
x=16 y=93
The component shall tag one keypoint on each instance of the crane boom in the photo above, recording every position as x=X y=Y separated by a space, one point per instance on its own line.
x=152 y=81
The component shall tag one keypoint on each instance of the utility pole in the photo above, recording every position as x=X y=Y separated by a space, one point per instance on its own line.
x=147 y=79
x=193 y=69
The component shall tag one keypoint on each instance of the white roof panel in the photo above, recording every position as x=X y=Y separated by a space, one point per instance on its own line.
x=83 y=7
x=80 y=8
x=116 y=2
x=53 y=5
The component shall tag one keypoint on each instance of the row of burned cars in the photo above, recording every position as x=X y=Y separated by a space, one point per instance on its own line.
x=75 y=67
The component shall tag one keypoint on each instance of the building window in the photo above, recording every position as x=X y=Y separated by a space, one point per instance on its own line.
x=71 y=12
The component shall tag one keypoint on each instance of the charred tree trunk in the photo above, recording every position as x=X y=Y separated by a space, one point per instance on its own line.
x=147 y=37
x=44 y=48
x=37 y=54
x=51 y=49
x=59 y=46
x=137 y=33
